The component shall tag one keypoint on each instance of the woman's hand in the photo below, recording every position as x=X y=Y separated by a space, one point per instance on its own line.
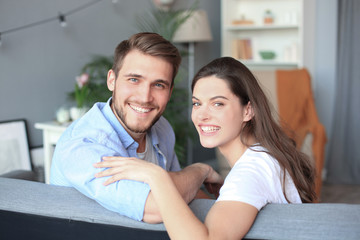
x=126 y=168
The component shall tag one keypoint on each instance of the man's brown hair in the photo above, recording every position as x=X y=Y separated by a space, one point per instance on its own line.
x=148 y=43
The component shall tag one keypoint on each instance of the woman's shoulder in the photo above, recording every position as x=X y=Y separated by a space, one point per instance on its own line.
x=258 y=156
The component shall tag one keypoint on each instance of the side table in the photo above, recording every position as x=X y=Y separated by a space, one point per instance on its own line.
x=51 y=134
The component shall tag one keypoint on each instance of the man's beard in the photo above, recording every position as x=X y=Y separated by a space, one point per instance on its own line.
x=120 y=114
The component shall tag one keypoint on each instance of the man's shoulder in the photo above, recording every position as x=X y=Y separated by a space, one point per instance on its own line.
x=162 y=123
x=162 y=128
x=92 y=125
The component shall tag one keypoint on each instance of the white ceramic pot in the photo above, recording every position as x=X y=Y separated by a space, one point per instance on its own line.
x=76 y=113
x=63 y=115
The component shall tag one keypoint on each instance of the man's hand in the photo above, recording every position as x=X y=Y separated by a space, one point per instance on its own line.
x=213 y=183
x=213 y=188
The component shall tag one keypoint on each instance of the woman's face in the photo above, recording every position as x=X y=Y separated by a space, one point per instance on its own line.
x=217 y=113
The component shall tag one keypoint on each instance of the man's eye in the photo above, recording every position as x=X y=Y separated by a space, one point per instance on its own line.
x=133 y=80
x=159 y=85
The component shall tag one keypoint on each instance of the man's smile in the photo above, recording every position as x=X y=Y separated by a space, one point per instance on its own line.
x=140 y=109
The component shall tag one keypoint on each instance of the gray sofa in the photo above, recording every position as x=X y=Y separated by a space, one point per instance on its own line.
x=33 y=210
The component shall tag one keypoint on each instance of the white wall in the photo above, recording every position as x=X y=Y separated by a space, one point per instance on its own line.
x=38 y=65
x=320 y=49
x=325 y=61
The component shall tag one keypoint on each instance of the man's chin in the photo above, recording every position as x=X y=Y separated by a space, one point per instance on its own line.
x=137 y=129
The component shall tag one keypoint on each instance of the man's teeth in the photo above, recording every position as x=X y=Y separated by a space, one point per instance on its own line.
x=141 y=110
x=209 y=128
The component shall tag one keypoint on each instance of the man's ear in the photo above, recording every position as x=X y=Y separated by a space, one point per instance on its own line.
x=111 y=80
x=248 y=112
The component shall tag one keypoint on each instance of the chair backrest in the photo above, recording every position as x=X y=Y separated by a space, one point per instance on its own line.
x=14 y=146
x=290 y=94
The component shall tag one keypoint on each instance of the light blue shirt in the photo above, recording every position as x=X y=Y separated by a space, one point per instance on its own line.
x=97 y=134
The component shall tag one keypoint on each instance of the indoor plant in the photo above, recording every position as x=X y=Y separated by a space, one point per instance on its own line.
x=91 y=85
x=81 y=93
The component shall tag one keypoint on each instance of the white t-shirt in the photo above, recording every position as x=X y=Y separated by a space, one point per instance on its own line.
x=256 y=179
x=149 y=154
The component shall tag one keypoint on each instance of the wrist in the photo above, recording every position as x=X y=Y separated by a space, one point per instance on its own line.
x=158 y=176
x=204 y=168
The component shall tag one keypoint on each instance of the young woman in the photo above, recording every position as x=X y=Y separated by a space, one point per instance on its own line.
x=231 y=112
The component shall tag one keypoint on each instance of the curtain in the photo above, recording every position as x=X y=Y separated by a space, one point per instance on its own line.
x=343 y=163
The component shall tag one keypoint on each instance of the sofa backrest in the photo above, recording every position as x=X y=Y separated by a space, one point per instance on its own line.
x=37 y=210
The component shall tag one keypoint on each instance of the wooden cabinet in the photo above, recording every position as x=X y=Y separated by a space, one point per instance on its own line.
x=271 y=27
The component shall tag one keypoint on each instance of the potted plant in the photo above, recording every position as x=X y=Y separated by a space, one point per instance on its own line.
x=90 y=86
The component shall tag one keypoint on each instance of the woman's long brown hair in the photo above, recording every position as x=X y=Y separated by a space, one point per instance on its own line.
x=263 y=126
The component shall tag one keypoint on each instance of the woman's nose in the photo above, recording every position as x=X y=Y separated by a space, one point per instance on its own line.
x=201 y=113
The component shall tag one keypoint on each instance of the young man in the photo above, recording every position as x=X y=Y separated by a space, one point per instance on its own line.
x=130 y=124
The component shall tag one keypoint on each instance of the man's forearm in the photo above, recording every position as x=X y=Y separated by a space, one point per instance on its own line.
x=188 y=182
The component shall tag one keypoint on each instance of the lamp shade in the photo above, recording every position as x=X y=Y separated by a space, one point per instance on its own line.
x=195 y=29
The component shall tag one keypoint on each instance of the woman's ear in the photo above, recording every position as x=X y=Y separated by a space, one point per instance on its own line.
x=248 y=112
x=111 y=80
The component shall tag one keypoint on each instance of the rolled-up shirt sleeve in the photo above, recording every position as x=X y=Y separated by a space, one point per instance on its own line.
x=73 y=166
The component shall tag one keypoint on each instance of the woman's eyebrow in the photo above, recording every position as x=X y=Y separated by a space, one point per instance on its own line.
x=215 y=97
x=193 y=97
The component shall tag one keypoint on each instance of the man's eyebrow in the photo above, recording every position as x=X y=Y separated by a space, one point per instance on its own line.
x=133 y=75
x=163 y=82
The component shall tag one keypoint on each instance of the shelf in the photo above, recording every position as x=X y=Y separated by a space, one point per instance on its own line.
x=260 y=27
x=275 y=63
x=243 y=20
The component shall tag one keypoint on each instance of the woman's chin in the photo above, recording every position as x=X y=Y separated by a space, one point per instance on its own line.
x=207 y=144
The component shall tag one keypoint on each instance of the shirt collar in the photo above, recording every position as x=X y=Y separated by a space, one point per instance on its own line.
x=154 y=135
x=124 y=136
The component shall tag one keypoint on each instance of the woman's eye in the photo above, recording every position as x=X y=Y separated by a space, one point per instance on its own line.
x=133 y=80
x=218 y=104
x=196 y=104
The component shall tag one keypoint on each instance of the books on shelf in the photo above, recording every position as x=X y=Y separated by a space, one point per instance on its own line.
x=242 y=49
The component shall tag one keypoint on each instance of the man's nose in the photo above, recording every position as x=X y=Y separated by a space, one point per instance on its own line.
x=145 y=93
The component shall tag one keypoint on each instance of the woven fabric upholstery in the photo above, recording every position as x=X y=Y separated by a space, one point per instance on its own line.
x=275 y=221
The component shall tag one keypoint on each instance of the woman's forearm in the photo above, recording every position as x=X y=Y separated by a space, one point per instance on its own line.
x=178 y=218
x=189 y=180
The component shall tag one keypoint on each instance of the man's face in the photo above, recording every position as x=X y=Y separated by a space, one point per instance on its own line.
x=141 y=91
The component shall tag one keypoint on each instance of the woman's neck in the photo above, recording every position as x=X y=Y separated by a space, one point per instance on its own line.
x=232 y=151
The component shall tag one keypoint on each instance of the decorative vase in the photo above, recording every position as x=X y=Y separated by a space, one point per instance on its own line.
x=62 y=115
x=268 y=17
x=76 y=113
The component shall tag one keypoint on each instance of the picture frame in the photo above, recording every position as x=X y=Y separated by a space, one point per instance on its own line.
x=14 y=146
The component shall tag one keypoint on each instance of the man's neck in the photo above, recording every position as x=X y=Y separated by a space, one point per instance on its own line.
x=142 y=143
x=140 y=138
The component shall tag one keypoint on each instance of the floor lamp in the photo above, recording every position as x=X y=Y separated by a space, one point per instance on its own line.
x=195 y=29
